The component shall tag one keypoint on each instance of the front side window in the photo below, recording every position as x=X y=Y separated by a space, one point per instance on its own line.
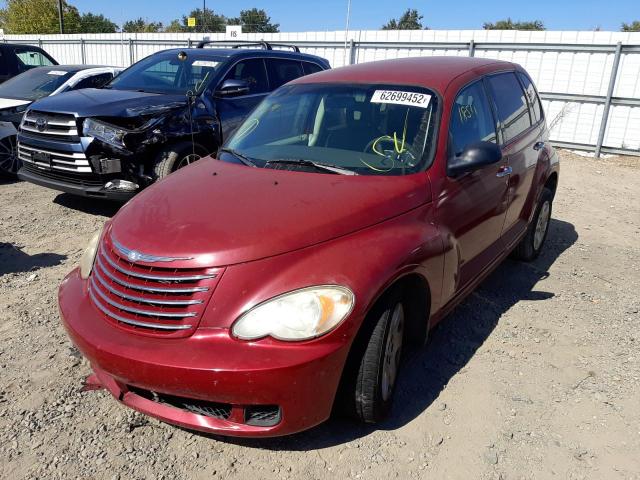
x=251 y=71
x=513 y=111
x=365 y=129
x=471 y=119
x=94 y=81
x=532 y=96
x=170 y=73
x=282 y=71
x=31 y=58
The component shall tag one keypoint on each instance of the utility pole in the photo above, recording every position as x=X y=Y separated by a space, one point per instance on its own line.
x=60 y=16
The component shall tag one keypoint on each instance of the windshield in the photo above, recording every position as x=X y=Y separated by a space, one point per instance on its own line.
x=365 y=129
x=173 y=73
x=34 y=84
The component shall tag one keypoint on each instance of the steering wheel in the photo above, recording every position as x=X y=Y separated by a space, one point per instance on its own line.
x=405 y=157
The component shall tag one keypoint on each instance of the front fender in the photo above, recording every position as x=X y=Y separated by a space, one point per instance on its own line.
x=367 y=262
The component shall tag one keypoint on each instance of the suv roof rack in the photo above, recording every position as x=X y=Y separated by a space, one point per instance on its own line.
x=235 y=44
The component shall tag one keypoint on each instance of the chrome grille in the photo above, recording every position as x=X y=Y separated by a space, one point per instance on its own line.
x=50 y=124
x=141 y=296
x=52 y=160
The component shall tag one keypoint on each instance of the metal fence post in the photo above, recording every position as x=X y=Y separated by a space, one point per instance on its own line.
x=131 y=56
x=40 y=42
x=189 y=43
x=352 y=52
x=472 y=48
x=607 y=102
x=83 y=55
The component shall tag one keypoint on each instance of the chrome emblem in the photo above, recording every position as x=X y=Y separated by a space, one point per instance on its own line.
x=41 y=124
x=135 y=256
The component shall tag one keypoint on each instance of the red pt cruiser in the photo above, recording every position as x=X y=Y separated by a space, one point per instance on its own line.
x=347 y=215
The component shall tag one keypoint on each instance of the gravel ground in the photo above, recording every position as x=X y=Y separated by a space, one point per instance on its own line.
x=536 y=375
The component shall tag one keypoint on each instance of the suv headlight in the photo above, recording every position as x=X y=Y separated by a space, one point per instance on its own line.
x=299 y=315
x=102 y=131
x=89 y=255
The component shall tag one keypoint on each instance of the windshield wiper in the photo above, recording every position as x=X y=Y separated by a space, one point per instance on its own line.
x=310 y=163
x=243 y=158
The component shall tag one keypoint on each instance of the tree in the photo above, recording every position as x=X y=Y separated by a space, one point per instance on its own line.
x=175 y=27
x=255 y=21
x=140 y=25
x=509 y=24
x=90 y=23
x=631 y=27
x=410 y=20
x=38 y=17
x=207 y=22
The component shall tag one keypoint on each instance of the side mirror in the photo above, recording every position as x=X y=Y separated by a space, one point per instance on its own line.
x=473 y=157
x=233 y=88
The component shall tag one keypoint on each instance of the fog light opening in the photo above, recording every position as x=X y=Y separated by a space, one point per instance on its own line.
x=122 y=185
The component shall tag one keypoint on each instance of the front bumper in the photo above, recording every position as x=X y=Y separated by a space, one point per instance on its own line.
x=58 y=182
x=300 y=379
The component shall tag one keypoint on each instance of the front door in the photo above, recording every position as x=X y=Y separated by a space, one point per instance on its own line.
x=472 y=206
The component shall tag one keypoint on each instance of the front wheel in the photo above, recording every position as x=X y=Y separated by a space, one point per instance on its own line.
x=173 y=158
x=380 y=364
x=531 y=245
x=9 y=161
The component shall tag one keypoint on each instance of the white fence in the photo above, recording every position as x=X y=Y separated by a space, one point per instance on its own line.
x=589 y=81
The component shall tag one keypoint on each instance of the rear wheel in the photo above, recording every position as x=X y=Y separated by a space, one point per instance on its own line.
x=9 y=161
x=531 y=245
x=173 y=158
x=380 y=363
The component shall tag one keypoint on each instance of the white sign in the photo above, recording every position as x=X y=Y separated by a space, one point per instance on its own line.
x=413 y=99
x=234 y=32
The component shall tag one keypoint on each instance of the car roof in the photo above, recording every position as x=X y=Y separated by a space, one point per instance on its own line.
x=243 y=52
x=432 y=72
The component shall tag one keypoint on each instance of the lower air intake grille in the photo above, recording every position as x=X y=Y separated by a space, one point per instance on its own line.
x=221 y=411
x=262 y=415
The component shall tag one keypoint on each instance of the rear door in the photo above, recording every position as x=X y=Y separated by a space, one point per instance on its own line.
x=233 y=110
x=520 y=132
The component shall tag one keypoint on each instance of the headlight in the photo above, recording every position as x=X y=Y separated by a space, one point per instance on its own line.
x=89 y=255
x=102 y=131
x=298 y=315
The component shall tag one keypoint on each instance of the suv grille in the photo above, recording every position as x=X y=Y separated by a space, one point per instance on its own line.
x=147 y=298
x=54 y=126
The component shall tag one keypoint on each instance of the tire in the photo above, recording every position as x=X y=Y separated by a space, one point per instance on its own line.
x=173 y=158
x=531 y=244
x=379 y=365
x=9 y=161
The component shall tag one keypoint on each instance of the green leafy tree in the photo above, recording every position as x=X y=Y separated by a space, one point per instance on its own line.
x=175 y=27
x=255 y=21
x=38 y=17
x=631 y=27
x=140 y=25
x=410 y=20
x=90 y=23
x=207 y=21
x=509 y=24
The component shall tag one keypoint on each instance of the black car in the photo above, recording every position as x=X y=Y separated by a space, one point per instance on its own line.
x=158 y=115
x=15 y=59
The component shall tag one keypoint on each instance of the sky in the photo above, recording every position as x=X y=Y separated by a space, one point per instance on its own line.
x=322 y=15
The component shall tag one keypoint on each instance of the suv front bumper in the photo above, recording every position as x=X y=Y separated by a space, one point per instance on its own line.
x=301 y=380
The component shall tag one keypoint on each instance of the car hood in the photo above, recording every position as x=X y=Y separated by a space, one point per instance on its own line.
x=222 y=214
x=92 y=102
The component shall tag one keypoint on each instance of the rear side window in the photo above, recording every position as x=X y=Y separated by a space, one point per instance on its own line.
x=94 y=81
x=532 y=96
x=513 y=111
x=282 y=71
x=31 y=58
x=471 y=119
x=251 y=71
x=310 y=68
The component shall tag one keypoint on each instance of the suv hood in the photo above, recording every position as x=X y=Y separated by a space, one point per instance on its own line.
x=222 y=214
x=101 y=102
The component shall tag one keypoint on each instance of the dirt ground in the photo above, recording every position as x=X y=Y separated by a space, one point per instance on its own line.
x=536 y=375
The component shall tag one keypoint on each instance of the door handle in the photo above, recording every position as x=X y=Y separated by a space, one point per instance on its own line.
x=504 y=171
x=538 y=145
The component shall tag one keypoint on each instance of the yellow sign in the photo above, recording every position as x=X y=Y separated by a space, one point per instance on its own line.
x=191 y=22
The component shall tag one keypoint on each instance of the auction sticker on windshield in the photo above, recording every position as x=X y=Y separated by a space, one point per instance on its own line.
x=398 y=97
x=59 y=73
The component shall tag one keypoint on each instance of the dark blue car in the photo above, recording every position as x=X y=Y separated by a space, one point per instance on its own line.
x=158 y=115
